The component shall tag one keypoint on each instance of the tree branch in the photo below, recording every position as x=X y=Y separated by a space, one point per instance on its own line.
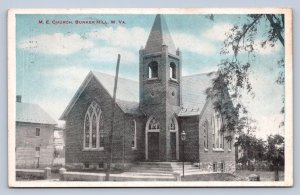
x=273 y=25
x=246 y=30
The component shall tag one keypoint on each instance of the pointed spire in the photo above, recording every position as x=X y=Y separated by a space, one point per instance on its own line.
x=159 y=36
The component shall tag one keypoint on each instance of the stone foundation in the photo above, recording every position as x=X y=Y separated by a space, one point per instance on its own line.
x=208 y=167
x=230 y=167
x=96 y=166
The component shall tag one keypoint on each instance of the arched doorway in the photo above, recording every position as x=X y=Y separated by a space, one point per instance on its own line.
x=152 y=139
x=174 y=139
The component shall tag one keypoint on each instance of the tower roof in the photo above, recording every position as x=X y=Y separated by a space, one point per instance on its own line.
x=159 y=36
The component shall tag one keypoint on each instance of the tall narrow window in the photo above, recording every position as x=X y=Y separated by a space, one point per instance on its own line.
x=213 y=132
x=229 y=144
x=87 y=131
x=153 y=70
x=101 y=132
x=94 y=131
x=172 y=70
x=93 y=127
x=37 y=131
x=133 y=134
x=205 y=134
x=218 y=135
x=173 y=125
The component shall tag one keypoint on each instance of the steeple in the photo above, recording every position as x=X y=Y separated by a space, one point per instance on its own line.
x=160 y=90
x=159 y=36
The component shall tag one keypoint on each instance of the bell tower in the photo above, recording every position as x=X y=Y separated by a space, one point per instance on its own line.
x=160 y=89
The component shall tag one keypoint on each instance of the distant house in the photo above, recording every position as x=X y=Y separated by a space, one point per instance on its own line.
x=34 y=136
x=150 y=114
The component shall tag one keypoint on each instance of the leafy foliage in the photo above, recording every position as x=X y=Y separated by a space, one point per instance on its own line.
x=256 y=151
x=275 y=150
x=253 y=148
x=232 y=79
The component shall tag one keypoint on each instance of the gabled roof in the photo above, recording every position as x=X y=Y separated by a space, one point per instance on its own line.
x=128 y=90
x=159 y=36
x=193 y=93
x=32 y=113
x=127 y=97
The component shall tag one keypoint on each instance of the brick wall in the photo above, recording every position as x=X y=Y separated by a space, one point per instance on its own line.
x=27 y=141
x=138 y=154
x=160 y=97
x=122 y=152
x=191 y=150
x=209 y=156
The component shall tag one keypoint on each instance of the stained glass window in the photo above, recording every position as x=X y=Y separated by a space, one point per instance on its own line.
x=94 y=131
x=133 y=134
x=154 y=124
x=205 y=134
x=87 y=131
x=218 y=135
x=101 y=131
x=172 y=125
x=93 y=127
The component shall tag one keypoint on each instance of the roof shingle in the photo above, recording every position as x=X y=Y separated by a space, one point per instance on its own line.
x=159 y=36
x=193 y=93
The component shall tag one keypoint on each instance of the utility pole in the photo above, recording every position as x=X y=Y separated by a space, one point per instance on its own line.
x=109 y=156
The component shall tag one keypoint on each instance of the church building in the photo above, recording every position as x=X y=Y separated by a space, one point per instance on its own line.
x=150 y=115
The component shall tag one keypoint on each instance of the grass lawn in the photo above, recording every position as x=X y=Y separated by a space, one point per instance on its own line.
x=264 y=175
x=241 y=175
x=210 y=177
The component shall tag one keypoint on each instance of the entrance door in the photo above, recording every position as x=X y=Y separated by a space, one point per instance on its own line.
x=153 y=146
x=173 y=145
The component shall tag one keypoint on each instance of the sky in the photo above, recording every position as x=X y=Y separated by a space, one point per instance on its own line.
x=53 y=59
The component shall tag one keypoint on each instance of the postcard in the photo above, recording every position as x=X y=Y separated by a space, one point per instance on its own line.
x=133 y=97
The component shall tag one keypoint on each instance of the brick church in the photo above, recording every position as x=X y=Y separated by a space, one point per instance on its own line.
x=150 y=114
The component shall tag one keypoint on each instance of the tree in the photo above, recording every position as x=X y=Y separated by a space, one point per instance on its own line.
x=253 y=149
x=275 y=153
x=232 y=79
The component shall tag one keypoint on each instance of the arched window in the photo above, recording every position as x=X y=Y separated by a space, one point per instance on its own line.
x=101 y=132
x=174 y=138
x=152 y=131
x=205 y=134
x=133 y=134
x=172 y=70
x=94 y=131
x=218 y=136
x=87 y=131
x=229 y=144
x=153 y=70
x=172 y=125
x=93 y=127
x=153 y=125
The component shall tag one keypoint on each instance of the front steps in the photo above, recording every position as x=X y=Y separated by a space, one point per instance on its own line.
x=161 y=171
x=153 y=171
x=189 y=168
